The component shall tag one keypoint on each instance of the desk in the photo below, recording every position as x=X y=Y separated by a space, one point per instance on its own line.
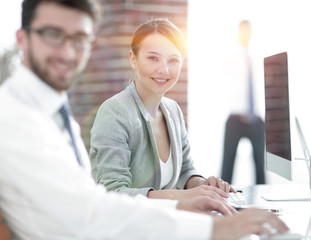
x=296 y=214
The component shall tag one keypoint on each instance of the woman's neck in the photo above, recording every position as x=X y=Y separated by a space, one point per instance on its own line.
x=150 y=101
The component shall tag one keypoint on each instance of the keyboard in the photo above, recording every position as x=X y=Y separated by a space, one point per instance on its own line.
x=236 y=199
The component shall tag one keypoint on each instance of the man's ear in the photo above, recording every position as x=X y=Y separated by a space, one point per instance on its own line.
x=132 y=58
x=21 y=38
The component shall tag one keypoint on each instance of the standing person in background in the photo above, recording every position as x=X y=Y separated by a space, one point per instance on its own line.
x=46 y=188
x=243 y=120
x=139 y=142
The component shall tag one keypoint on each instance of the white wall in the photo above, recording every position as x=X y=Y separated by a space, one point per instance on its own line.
x=278 y=25
x=10 y=13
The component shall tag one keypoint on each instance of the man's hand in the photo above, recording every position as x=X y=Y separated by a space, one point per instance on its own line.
x=246 y=222
x=205 y=204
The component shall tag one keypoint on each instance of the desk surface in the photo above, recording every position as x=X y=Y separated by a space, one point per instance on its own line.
x=296 y=214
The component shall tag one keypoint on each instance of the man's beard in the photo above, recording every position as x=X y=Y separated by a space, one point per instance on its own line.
x=46 y=77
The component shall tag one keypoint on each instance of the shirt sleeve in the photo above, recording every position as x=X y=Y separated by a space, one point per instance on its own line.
x=200 y=224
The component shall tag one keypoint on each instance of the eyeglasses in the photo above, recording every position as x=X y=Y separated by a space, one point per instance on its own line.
x=56 y=38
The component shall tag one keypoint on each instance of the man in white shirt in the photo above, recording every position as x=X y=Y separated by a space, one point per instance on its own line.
x=46 y=187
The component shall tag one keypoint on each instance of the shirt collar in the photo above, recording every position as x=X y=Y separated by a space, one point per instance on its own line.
x=35 y=92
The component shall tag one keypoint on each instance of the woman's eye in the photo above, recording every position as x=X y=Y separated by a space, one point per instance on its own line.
x=174 y=60
x=153 y=58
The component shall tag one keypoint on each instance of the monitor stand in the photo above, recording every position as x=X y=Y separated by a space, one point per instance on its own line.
x=290 y=192
x=295 y=194
x=305 y=149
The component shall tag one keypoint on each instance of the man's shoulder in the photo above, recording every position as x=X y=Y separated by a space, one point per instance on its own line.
x=16 y=114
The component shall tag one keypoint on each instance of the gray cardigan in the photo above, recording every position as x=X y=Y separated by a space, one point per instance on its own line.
x=123 y=150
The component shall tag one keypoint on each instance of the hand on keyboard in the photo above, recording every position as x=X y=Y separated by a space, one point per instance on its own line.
x=236 y=199
x=218 y=183
x=277 y=236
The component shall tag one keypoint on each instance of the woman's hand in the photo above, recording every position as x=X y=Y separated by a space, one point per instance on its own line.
x=203 y=190
x=219 y=183
x=207 y=198
x=205 y=204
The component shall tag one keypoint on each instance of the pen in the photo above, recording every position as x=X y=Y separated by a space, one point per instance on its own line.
x=274 y=210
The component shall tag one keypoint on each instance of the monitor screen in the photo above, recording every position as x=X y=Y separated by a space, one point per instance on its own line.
x=277 y=115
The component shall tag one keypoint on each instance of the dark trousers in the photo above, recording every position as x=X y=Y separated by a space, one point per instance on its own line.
x=236 y=128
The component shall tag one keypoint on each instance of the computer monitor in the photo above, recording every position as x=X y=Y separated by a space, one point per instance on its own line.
x=279 y=127
x=278 y=154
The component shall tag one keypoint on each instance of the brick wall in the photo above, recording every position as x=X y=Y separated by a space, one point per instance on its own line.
x=109 y=71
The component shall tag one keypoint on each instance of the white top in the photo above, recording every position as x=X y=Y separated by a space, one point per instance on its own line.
x=45 y=194
x=166 y=171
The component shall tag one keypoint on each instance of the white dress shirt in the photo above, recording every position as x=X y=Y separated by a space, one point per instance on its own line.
x=236 y=79
x=46 y=194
